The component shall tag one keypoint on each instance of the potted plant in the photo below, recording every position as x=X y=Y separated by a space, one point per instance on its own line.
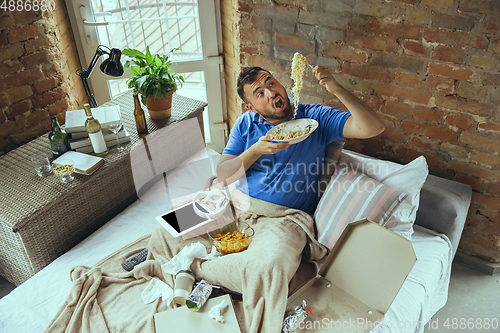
x=153 y=80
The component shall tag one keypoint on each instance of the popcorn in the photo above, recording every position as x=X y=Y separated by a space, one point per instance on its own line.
x=62 y=170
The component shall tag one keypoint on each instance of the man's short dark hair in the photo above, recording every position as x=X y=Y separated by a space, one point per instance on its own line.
x=247 y=76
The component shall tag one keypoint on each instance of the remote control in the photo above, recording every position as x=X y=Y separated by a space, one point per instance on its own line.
x=131 y=262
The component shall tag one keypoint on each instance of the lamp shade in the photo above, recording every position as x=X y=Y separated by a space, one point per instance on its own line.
x=112 y=66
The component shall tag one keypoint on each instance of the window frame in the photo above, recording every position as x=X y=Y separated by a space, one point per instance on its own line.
x=211 y=64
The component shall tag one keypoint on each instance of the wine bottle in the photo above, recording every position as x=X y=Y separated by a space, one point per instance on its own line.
x=59 y=142
x=93 y=127
x=140 y=117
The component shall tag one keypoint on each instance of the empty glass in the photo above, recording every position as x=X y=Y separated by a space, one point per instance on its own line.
x=41 y=164
x=64 y=168
x=115 y=125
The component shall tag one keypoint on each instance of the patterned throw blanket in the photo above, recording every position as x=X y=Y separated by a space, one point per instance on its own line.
x=105 y=299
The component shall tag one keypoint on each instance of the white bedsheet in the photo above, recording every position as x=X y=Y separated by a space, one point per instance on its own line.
x=31 y=306
x=426 y=287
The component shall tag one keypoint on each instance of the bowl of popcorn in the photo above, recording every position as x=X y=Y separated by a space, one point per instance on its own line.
x=64 y=168
x=231 y=238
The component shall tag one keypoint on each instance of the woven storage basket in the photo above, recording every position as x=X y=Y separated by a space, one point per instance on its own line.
x=42 y=218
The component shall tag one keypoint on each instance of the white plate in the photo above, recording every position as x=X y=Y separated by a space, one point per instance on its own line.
x=294 y=125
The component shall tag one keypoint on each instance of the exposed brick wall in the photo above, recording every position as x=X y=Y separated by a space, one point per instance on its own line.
x=38 y=60
x=430 y=68
x=231 y=18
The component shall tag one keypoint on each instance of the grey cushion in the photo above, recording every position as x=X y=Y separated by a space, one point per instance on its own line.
x=443 y=207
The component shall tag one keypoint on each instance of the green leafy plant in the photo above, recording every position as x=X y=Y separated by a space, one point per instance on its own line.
x=152 y=74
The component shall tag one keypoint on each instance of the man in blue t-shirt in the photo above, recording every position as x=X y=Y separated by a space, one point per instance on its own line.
x=281 y=174
x=284 y=174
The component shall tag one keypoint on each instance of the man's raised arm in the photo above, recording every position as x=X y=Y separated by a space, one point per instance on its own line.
x=363 y=122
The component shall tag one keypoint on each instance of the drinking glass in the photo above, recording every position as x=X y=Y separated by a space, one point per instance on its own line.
x=42 y=165
x=115 y=126
x=64 y=168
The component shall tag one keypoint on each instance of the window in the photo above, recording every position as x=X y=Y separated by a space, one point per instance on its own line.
x=162 y=25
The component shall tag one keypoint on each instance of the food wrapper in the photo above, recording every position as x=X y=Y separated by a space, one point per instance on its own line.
x=199 y=295
x=292 y=322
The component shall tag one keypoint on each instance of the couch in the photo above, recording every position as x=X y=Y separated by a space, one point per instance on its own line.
x=442 y=210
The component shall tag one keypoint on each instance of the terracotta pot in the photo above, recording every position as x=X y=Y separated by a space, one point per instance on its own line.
x=159 y=107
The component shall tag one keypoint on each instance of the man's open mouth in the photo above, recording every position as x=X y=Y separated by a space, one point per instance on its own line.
x=279 y=103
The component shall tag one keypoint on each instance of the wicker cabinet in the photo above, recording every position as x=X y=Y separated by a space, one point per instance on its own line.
x=42 y=218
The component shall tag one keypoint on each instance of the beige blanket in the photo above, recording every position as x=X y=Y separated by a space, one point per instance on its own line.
x=104 y=299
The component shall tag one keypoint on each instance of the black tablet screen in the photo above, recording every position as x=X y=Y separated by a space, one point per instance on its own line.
x=183 y=218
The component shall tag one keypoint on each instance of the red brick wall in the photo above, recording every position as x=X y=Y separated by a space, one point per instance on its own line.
x=230 y=17
x=430 y=68
x=38 y=60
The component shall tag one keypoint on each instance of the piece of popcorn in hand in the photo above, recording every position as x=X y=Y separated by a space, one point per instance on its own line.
x=218 y=310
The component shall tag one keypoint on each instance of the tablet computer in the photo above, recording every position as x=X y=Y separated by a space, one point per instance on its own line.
x=183 y=221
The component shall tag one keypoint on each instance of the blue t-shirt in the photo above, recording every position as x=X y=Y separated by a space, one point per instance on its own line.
x=290 y=177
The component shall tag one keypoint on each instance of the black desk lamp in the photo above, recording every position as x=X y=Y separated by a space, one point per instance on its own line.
x=111 y=66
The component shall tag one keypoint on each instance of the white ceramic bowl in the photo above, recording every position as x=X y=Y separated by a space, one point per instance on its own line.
x=294 y=125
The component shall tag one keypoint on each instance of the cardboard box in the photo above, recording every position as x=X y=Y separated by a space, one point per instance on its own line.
x=184 y=320
x=358 y=281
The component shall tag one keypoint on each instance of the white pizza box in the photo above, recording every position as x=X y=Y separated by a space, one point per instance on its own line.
x=358 y=281
x=182 y=319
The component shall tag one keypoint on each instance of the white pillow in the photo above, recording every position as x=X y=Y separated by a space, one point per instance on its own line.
x=351 y=196
x=407 y=178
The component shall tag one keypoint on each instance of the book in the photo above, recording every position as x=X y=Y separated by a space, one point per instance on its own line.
x=75 y=119
x=85 y=164
x=108 y=137
x=182 y=319
x=84 y=134
x=109 y=143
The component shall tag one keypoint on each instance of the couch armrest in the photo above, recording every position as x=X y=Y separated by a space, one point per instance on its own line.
x=443 y=207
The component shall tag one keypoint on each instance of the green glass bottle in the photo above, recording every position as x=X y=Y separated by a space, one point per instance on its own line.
x=59 y=142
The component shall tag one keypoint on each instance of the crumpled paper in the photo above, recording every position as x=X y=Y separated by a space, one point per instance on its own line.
x=157 y=288
x=218 y=310
x=184 y=259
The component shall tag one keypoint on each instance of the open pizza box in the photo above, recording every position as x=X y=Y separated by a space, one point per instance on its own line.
x=182 y=319
x=357 y=282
